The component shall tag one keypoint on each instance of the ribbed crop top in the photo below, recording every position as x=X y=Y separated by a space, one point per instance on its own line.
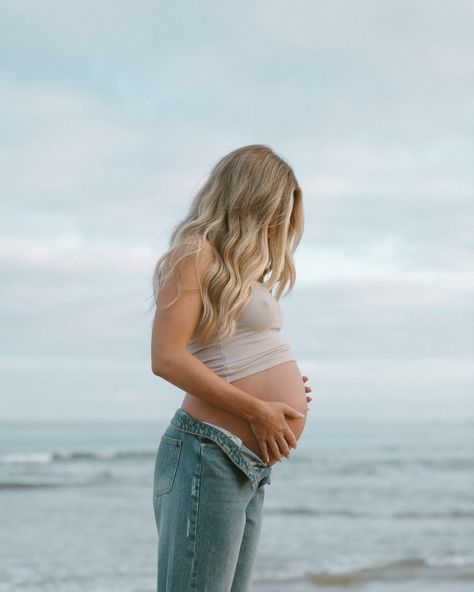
x=255 y=345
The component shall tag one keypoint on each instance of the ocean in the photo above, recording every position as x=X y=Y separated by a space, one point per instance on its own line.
x=379 y=506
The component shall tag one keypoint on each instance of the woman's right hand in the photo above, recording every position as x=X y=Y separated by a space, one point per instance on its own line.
x=272 y=431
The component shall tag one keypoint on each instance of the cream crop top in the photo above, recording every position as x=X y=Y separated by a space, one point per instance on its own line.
x=255 y=345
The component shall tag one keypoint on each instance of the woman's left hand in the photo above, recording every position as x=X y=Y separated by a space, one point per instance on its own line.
x=307 y=389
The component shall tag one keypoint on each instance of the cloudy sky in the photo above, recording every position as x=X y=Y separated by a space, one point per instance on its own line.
x=112 y=116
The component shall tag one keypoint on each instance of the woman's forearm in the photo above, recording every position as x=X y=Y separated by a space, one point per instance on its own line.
x=191 y=375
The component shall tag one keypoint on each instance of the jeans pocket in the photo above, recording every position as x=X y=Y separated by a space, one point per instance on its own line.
x=166 y=464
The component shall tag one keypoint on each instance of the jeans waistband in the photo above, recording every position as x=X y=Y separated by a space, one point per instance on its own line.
x=249 y=462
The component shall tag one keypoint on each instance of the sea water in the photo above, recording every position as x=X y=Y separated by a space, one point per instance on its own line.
x=377 y=506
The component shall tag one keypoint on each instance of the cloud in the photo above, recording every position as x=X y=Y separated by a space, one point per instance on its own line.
x=110 y=125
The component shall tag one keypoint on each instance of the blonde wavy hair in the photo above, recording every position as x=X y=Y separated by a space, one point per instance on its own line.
x=250 y=212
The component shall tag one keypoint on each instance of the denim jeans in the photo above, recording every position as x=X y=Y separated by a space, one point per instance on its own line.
x=208 y=497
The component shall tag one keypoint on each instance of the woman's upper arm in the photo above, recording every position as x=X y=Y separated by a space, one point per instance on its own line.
x=174 y=326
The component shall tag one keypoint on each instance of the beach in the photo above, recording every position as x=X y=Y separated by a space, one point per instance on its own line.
x=361 y=505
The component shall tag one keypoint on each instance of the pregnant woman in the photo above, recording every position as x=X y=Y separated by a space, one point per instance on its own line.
x=216 y=336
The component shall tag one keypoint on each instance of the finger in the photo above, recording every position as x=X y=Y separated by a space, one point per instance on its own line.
x=275 y=449
x=284 y=448
x=305 y=378
x=293 y=412
x=309 y=399
x=264 y=451
x=290 y=438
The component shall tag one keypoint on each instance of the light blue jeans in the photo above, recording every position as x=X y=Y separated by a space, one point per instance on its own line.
x=208 y=496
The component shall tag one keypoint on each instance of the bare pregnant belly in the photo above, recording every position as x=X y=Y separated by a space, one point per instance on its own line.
x=283 y=383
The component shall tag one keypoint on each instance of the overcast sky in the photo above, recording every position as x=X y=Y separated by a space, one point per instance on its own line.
x=112 y=116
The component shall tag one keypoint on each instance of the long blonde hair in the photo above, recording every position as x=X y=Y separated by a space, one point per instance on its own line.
x=250 y=211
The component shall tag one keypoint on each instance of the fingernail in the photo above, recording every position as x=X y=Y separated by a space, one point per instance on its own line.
x=301 y=414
